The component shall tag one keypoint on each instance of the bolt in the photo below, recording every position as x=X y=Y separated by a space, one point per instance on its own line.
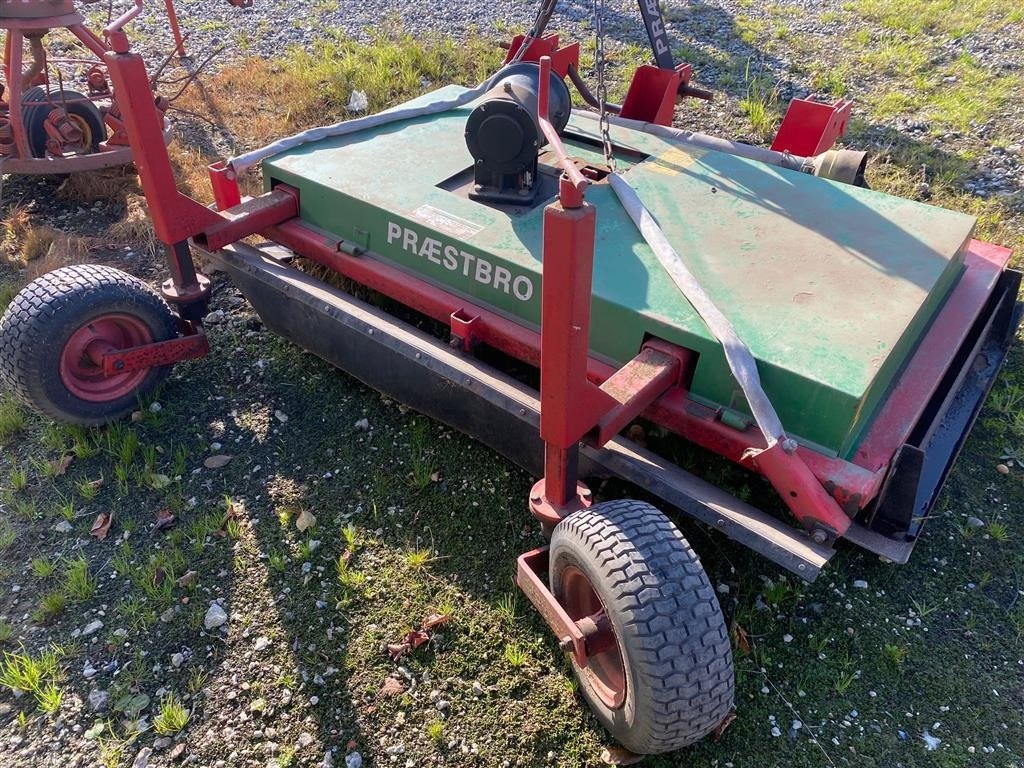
x=789 y=445
x=819 y=536
x=119 y=365
x=536 y=499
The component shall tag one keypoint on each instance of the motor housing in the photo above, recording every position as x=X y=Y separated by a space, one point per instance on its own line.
x=504 y=137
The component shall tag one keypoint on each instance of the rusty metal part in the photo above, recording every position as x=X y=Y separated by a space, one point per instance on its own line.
x=529 y=566
x=148 y=356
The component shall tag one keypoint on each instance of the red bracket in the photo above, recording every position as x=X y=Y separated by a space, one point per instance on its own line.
x=652 y=93
x=529 y=566
x=155 y=355
x=561 y=58
x=811 y=127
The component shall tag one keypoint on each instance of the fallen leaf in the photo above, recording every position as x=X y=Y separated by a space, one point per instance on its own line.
x=416 y=638
x=719 y=731
x=101 y=526
x=740 y=640
x=164 y=519
x=188 y=580
x=216 y=462
x=398 y=650
x=59 y=466
x=392 y=687
x=177 y=751
x=616 y=755
x=305 y=520
x=156 y=482
x=159 y=576
x=435 y=620
x=229 y=515
x=352 y=744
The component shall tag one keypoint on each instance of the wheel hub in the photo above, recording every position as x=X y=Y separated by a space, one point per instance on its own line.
x=81 y=361
x=605 y=668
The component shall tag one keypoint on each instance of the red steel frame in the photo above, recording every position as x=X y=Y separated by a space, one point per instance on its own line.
x=582 y=398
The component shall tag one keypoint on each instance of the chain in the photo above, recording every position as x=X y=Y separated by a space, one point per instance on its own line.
x=602 y=87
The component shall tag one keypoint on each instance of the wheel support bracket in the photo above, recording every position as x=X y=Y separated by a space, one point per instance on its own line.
x=153 y=355
x=529 y=566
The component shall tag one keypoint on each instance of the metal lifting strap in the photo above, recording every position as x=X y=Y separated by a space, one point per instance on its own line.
x=737 y=354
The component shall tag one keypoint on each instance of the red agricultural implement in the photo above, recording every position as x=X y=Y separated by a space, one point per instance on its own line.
x=761 y=304
x=46 y=126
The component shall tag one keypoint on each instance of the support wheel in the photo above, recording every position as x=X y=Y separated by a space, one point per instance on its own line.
x=85 y=115
x=660 y=675
x=57 y=329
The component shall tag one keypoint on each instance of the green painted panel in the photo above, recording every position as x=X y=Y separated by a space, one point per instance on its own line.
x=830 y=285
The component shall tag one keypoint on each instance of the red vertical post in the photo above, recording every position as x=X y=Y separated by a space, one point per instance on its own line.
x=172 y=16
x=569 y=403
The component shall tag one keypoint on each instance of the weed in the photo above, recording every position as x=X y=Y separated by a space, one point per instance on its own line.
x=277 y=561
x=12 y=419
x=350 y=580
x=435 y=731
x=508 y=606
x=197 y=680
x=50 y=697
x=22 y=720
x=17 y=480
x=287 y=757
x=7 y=534
x=922 y=609
x=350 y=536
x=79 y=584
x=50 y=607
x=88 y=489
x=42 y=567
x=233 y=529
x=122 y=559
x=6 y=631
x=172 y=716
x=760 y=104
x=66 y=507
x=843 y=681
x=417 y=559
x=25 y=507
x=998 y=531
x=515 y=655
x=894 y=655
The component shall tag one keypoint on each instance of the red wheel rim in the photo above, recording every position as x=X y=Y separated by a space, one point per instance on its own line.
x=605 y=669
x=81 y=368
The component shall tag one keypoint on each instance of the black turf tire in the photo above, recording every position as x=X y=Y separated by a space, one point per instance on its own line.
x=666 y=617
x=34 y=118
x=44 y=315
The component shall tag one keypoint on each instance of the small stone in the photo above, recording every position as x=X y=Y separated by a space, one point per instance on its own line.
x=1002 y=469
x=353 y=760
x=281 y=416
x=975 y=522
x=258 y=705
x=162 y=743
x=215 y=317
x=215 y=616
x=776 y=731
x=92 y=627
x=797 y=725
x=723 y=589
x=142 y=758
x=305 y=739
x=63 y=527
x=787 y=638
x=478 y=690
x=363 y=424
x=262 y=643
x=328 y=761
x=860 y=584
x=167 y=616
x=155 y=407
x=177 y=660
x=99 y=700
x=89 y=671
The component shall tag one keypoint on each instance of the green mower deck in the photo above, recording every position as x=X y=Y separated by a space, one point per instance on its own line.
x=829 y=284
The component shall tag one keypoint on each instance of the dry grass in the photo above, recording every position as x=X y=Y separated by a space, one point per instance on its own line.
x=106 y=184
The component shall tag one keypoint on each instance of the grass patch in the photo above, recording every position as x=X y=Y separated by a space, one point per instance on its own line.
x=172 y=717
x=79 y=584
x=35 y=675
x=954 y=18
